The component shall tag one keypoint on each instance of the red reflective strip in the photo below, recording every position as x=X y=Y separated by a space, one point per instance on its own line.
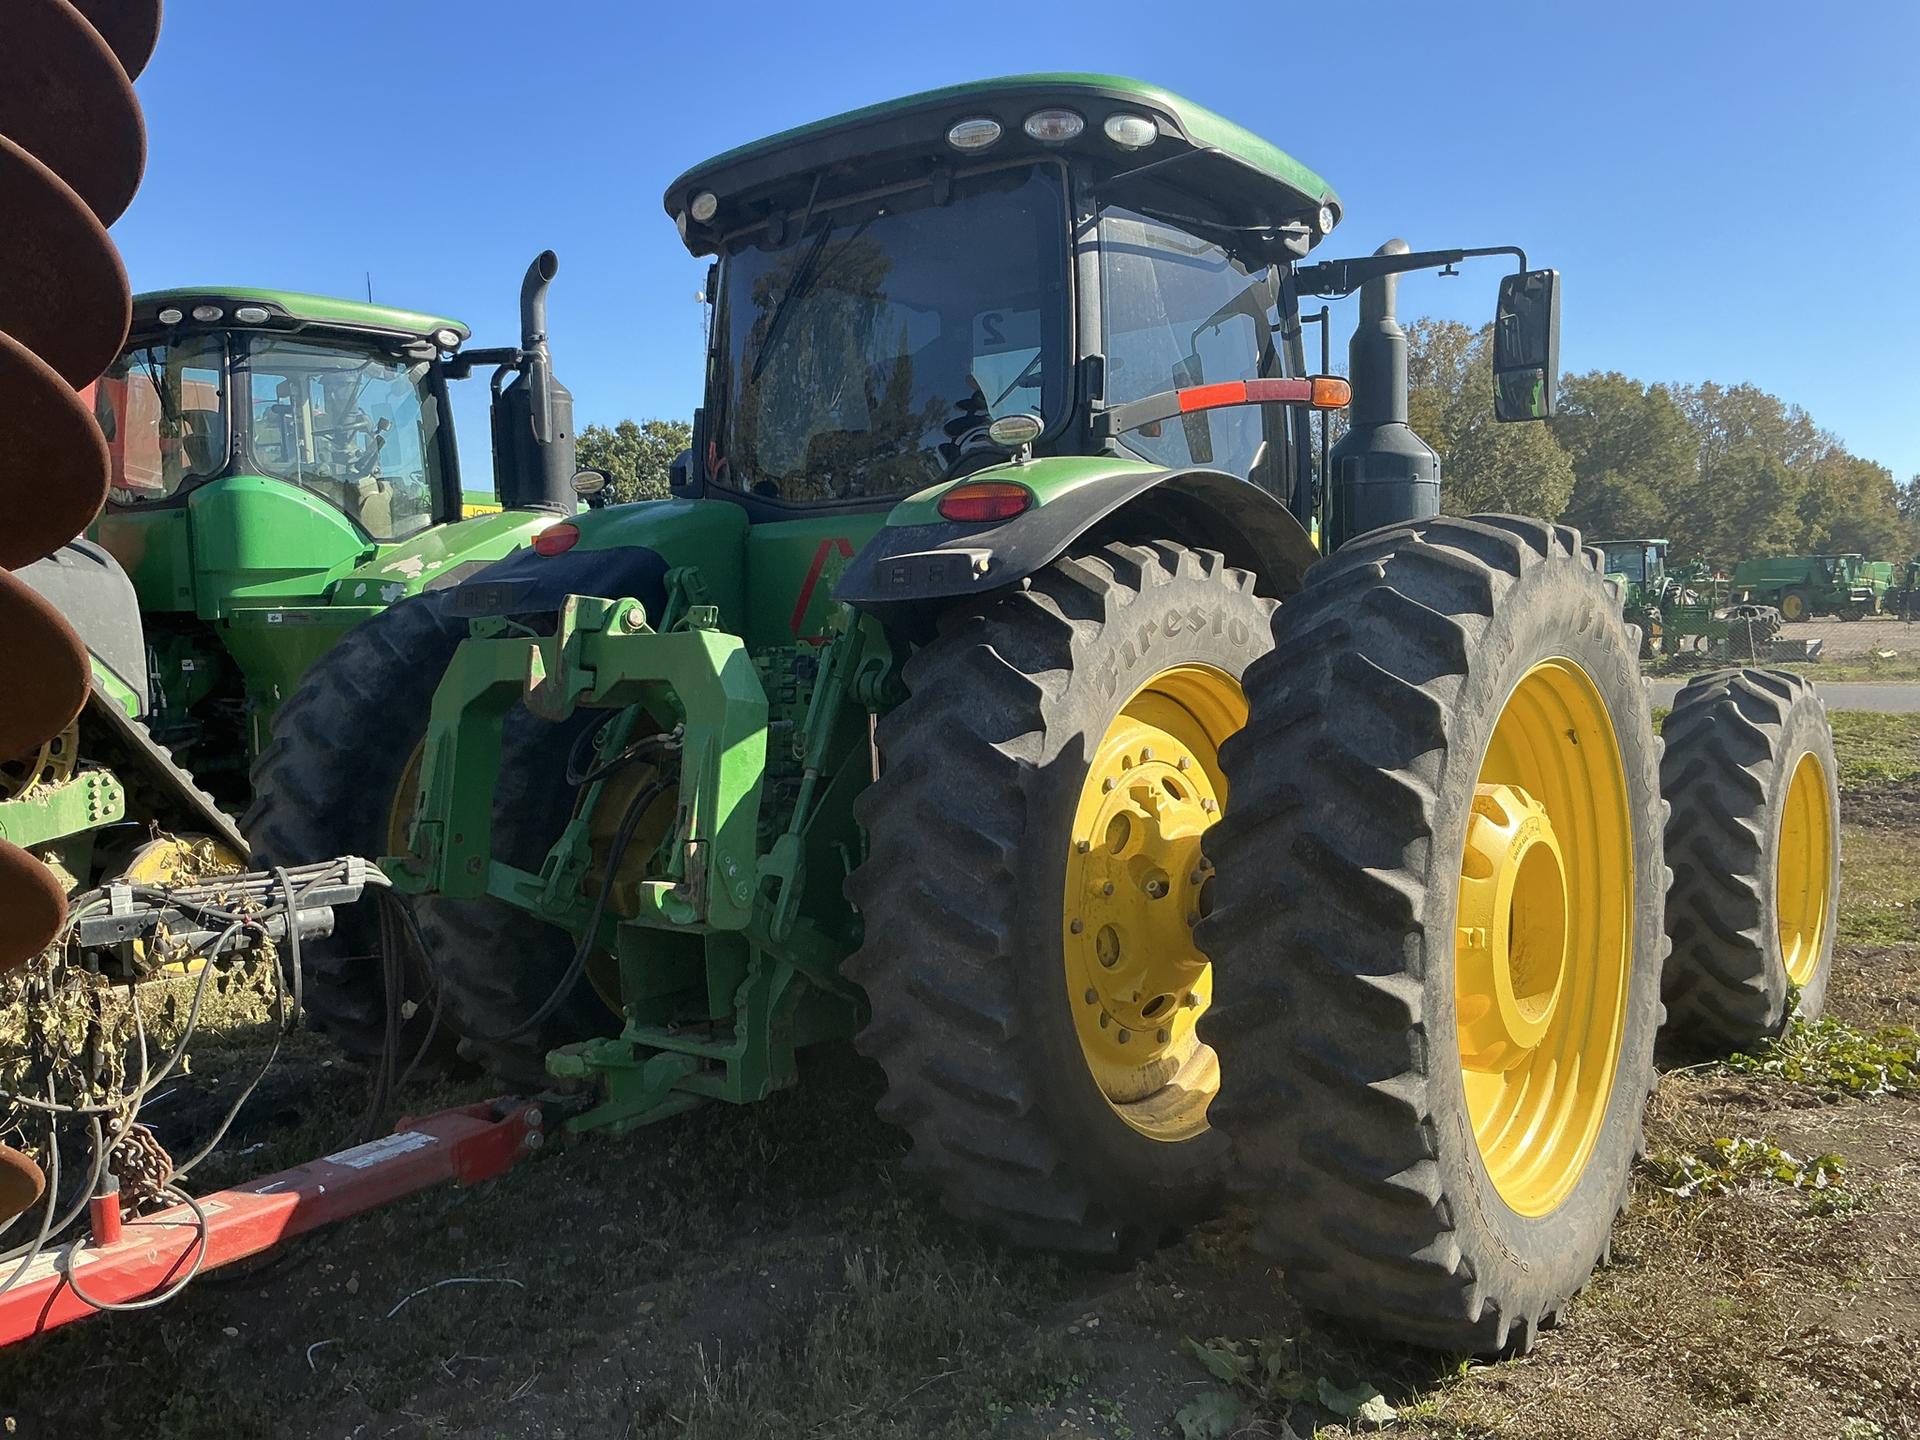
x=1206 y=397
x=1244 y=392
x=1284 y=392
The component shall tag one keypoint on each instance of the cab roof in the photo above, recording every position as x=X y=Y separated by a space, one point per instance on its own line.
x=899 y=139
x=290 y=309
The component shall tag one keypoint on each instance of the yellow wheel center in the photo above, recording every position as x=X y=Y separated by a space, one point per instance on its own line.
x=1803 y=870
x=1543 y=948
x=1512 y=951
x=1136 y=885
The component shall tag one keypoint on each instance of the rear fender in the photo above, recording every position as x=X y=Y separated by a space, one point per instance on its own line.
x=914 y=563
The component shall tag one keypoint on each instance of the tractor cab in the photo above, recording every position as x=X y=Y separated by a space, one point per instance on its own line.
x=345 y=401
x=1020 y=269
x=1642 y=564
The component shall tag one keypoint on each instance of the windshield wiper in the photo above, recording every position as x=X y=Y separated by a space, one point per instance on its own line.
x=804 y=274
x=796 y=287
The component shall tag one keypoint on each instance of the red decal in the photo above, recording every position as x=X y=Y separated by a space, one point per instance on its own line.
x=827 y=548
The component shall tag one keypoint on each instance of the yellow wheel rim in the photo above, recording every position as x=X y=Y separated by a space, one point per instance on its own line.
x=1803 y=870
x=406 y=798
x=1136 y=885
x=1543 y=939
x=1792 y=607
x=175 y=860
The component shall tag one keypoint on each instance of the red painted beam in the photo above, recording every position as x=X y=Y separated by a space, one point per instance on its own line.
x=465 y=1145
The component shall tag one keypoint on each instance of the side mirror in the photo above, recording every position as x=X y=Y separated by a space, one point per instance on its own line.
x=1526 y=346
x=680 y=474
x=591 y=486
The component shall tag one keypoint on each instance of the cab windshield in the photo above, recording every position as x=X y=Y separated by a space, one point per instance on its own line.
x=861 y=358
x=359 y=427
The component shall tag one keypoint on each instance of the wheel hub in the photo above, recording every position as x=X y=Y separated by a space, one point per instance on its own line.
x=1141 y=876
x=1512 y=951
x=1136 y=885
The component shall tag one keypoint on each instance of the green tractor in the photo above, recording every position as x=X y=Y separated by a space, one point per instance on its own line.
x=988 y=587
x=283 y=467
x=1687 y=608
x=1802 y=587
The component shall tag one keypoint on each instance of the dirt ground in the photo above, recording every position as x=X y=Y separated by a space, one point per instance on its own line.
x=770 y=1272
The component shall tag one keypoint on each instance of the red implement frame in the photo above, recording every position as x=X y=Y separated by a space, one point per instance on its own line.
x=128 y=1260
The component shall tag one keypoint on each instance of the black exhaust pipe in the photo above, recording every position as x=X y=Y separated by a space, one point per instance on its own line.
x=533 y=443
x=1383 y=473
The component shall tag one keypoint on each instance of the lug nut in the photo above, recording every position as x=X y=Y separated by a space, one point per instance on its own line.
x=1107 y=889
x=1209 y=806
x=1193 y=918
x=1093 y=996
x=1192 y=1001
x=1077 y=926
x=1107 y=784
x=1163 y=1036
x=1105 y=1020
x=1125 y=1036
x=1186 y=762
x=1082 y=846
x=1146 y=754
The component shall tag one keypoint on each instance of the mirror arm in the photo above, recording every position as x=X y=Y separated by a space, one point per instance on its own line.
x=1333 y=279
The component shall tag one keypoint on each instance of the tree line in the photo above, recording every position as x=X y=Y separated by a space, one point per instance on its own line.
x=1723 y=471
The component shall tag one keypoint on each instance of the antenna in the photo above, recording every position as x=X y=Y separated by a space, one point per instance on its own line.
x=369 y=287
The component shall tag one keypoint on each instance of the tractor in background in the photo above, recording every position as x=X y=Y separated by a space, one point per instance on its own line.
x=984 y=694
x=1802 y=587
x=284 y=467
x=1690 y=608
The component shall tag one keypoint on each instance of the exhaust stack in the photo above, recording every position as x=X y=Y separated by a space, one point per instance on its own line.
x=1382 y=473
x=533 y=444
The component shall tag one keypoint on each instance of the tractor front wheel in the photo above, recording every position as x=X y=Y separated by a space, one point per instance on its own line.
x=1795 y=606
x=1439 y=930
x=1033 y=881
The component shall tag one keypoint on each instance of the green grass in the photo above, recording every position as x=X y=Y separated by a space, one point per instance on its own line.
x=1875 y=749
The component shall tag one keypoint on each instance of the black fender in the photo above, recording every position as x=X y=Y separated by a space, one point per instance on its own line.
x=914 y=564
x=529 y=583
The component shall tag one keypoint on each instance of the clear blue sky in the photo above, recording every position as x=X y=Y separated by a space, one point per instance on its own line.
x=1729 y=189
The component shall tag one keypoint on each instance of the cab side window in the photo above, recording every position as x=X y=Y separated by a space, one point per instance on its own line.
x=1180 y=311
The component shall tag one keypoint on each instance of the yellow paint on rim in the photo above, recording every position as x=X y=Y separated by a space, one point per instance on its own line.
x=1544 y=936
x=1803 y=870
x=1136 y=885
x=406 y=798
x=1793 y=607
x=167 y=861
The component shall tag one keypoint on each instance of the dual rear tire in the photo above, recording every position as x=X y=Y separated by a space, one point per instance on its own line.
x=1439 y=918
